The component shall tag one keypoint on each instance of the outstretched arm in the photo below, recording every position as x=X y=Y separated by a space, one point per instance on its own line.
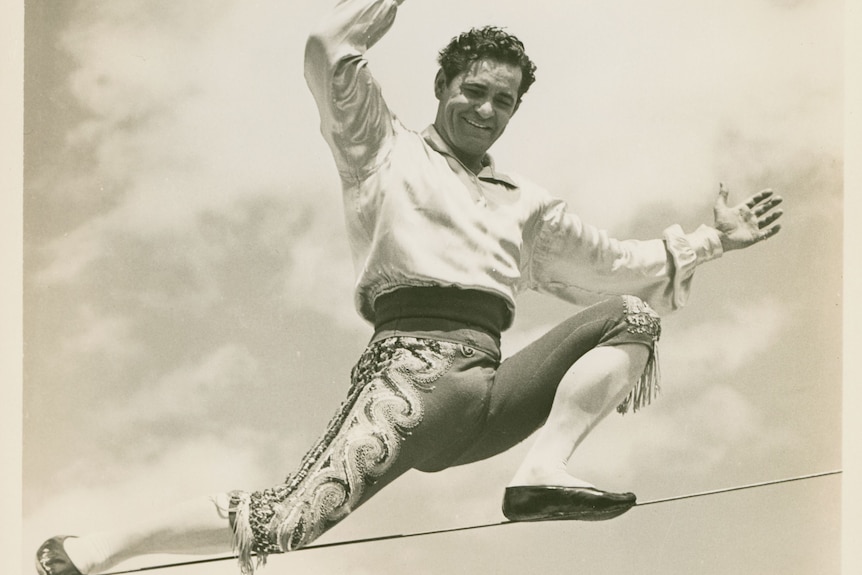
x=583 y=264
x=748 y=223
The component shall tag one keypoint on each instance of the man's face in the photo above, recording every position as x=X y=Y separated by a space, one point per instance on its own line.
x=475 y=107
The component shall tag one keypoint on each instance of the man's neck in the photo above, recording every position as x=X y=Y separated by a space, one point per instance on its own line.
x=473 y=166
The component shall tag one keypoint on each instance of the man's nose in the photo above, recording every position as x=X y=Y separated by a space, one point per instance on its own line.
x=485 y=109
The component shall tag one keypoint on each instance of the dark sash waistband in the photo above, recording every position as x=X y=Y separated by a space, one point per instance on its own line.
x=472 y=309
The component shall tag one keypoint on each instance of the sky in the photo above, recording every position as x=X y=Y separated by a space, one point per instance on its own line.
x=188 y=320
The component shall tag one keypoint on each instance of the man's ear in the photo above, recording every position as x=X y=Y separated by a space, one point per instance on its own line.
x=439 y=84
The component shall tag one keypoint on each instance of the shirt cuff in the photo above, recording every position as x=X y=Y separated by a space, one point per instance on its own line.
x=706 y=243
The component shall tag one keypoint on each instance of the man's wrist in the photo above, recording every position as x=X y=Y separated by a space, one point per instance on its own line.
x=707 y=242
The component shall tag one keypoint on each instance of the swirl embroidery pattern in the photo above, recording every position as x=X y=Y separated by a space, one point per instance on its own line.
x=361 y=443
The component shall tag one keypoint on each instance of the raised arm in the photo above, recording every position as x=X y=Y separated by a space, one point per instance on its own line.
x=355 y=120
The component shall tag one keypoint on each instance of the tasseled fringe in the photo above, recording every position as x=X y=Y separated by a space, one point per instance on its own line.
x=647 y=388
x=243 y=537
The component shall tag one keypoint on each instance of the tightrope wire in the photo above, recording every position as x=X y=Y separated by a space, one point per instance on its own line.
x=482 y=526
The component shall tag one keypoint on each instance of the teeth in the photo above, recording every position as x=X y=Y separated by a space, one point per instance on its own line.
x=480 y=126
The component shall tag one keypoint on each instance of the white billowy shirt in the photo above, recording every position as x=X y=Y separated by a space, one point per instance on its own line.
x=416 y=216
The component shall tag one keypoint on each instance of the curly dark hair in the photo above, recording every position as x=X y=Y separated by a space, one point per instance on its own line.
x=487 y=42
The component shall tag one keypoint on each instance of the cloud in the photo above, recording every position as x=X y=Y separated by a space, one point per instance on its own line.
x=104 y=335
x=661 y=451
x=68 y=255
x=200 y=133
x=321 y=274
x=174 y=96
x=188 y=393
x=734 y=335
x=720 y=347
x=640 y=111
x=119 y=496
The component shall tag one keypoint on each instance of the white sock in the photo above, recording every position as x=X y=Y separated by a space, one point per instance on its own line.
x=89 y=554
x=198 y=526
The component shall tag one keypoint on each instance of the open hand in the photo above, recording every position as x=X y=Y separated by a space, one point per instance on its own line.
x=748 y=223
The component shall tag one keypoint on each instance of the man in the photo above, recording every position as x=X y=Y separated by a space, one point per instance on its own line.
x=442 y=243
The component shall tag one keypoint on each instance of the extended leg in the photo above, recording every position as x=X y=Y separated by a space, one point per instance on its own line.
x=378 y=434
x=198 y=526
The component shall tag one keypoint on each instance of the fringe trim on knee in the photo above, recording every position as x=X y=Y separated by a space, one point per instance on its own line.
x=646 y=389
x=243 y=536
x=642 y=319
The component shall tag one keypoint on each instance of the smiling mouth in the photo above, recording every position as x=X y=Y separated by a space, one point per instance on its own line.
x=475 y=125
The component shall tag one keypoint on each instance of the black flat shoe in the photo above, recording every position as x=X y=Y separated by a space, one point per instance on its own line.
x=51 y=558
x=548 y=502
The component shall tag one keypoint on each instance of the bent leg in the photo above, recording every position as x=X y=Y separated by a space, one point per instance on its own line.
x=617 y=369
x=606 y=346
x=542 y=487
x=598 y=382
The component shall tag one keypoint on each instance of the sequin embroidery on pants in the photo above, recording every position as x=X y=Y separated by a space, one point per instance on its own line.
x=641 y=317
x=360 y=444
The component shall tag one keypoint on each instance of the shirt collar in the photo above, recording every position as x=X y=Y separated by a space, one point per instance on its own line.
x=489 y=173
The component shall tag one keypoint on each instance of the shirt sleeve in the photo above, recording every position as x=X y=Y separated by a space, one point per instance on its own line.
x=582 y=264
x=354 y=118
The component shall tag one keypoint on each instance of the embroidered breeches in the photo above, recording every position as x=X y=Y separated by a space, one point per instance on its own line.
x=429 y=401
